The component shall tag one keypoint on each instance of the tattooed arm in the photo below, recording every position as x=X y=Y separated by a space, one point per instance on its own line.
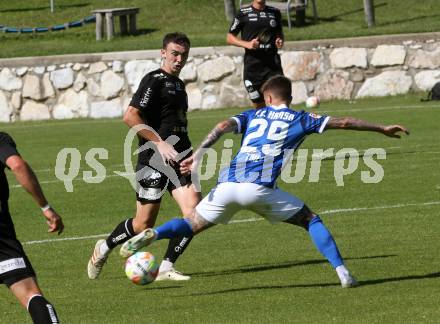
x=362 y=125
x=221 y=128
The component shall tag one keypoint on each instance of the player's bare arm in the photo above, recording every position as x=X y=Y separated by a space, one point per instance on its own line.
x=28 y=180
x=133 y=119
x=231 y=39
x=362 y=125
x=226 y=126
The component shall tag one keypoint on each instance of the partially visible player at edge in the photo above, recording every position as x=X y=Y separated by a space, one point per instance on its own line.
x=261 y=37
x=161 y=103
x=16 y=271
x=269 y=134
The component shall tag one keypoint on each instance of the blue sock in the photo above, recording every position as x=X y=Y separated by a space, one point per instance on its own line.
x=173 y=228
x=324 y=242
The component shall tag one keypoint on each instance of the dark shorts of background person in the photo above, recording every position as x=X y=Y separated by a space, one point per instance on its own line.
x=14 y=264
x=152 y=184
x=255 y=75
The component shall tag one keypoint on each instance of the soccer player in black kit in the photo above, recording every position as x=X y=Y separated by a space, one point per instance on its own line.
x=261 y=37
x=16 y=271
x=161 y=104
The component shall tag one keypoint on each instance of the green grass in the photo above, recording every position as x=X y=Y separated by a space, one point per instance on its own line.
x=249 y=272
x=203 y=20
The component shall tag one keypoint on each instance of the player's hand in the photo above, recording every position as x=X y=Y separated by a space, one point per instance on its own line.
x=392 y=131
x=167 y=151
x=186 y=165
x=279 y=42
x=253 y=44
x=54 y=221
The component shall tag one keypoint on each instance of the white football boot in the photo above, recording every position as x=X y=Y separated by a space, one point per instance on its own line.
x=97 y=261
x=172 y=275
x=144 y=238
x=349 y=282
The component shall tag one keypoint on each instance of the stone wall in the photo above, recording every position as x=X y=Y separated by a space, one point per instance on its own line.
x=101 y=85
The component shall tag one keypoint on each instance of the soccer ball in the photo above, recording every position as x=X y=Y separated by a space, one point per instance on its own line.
x=312 y=102
x=141 y=268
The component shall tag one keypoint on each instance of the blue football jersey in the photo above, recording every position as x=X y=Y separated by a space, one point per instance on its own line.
x=270 y=135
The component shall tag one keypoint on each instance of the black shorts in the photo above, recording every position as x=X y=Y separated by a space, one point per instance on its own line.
x=14 y=264
x=256 y=72
x=152 y=184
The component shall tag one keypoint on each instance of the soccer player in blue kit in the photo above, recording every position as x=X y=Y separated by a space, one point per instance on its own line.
x=269 y=134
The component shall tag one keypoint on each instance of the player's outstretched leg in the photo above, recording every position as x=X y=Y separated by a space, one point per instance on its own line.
x=176 y=247
x=171 y=229
x=325 y=243
x=102 y=249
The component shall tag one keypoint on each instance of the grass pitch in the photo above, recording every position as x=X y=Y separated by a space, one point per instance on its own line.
x=249 y=271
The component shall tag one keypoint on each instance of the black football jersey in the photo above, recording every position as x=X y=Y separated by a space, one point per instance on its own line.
x=262 y=24
x=163 y=103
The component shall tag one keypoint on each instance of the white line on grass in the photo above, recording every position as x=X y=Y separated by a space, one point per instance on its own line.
x=66 y=239
x=253 y=219
x=76 y=179
x=379 y=108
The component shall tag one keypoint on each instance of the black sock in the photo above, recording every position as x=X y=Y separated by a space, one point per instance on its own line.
x=176 y=246
x=123 y=232
x=42 y=312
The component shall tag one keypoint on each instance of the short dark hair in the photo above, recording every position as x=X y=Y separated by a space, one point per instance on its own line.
x=176 y=37
x=279 y=86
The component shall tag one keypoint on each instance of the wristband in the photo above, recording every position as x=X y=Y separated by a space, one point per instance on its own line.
x=47 y=207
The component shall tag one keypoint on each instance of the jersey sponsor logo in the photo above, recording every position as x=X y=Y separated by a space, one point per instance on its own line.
x=262 y=14
x=172 y=92
x=179 y=86
x=250 y=154
x=253 y=19
x=252 y=14
x=248 y=9
x=150 y=193
x=146 y=97
x=159 y=76
x=273 y=23
x=313 y=115
x=271 y=15
x=169 y=84
x=12 y=264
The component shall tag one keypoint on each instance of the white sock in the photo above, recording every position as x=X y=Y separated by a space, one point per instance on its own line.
x=342 y=271
x=104 y=249
x=165 y=266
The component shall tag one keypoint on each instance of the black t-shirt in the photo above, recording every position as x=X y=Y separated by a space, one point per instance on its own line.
x=264 y=24
x=163 y=103
x=7 y=149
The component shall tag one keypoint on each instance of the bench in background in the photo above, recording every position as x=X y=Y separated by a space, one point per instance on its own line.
x=125 y=15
